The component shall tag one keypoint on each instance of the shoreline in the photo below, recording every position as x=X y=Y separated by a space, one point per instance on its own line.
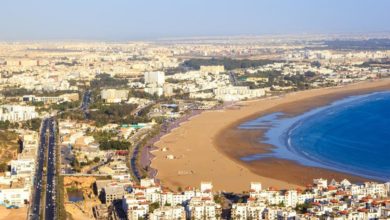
x=278 y=129
x=209 y=147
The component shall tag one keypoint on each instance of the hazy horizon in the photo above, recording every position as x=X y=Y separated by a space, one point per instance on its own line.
x=151 y=19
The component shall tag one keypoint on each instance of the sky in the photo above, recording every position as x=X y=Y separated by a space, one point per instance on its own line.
x=152 y=19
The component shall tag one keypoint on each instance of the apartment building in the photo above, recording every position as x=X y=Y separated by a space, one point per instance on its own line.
x=114 y=95
x=168 y=212
x=204 y=208
x=154 y=78
x=15 y=113
x=234 y=93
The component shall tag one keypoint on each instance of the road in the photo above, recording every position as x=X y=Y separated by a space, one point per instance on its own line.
x=47 y=141
x=50 y=200
x=233 y=78
x=135 y=141
x=85 y=103
x=47 y=145
x=35 y=211
x=136 y=112
x=133 y=162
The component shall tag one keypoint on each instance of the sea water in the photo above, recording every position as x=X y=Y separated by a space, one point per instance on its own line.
x=351 y=135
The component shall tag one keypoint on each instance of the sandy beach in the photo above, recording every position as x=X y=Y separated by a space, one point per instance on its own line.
x=209 y=145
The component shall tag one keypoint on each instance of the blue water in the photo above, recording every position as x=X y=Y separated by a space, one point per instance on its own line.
x=75 y=196
x=350 y=135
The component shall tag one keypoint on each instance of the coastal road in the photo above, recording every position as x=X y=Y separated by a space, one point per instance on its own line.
x=135 y=150
x=35 y=211
x=133 y=162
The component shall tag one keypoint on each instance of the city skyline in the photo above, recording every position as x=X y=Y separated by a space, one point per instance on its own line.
x=146 y=20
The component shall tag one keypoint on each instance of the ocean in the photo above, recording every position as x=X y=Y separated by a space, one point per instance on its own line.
x=351 y=135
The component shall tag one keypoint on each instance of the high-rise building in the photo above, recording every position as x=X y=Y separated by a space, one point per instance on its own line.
x=154 y=78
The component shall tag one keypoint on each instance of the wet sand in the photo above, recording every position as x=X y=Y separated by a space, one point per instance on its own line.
x=208 y=147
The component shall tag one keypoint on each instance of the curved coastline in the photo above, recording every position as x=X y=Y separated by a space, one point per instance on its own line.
x=340 y=106
x=278 y=168
x=210 y=146
x=298 y=153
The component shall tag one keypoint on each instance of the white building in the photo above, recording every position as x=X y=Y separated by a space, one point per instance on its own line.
x=321 y=183
x=22 y=167
x=155 y=78
x=280 y=213
x=204 y=208
x=206 y=186
x=113 y=192
x=14 y=113
x=15 y=186
x=255 y=186
x=249 y=210
x=114 y=95
x=52 y=99
x=135 y=207
x=15 y=196
x=149 y=189
x=168 y=212
x=235 y=93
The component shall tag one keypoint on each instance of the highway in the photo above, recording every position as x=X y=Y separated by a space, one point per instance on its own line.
x=47 y=141
x=50 y=200
x=35 y=211
x=47 y=145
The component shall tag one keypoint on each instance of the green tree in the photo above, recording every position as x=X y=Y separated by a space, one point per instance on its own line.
x=153 y=206
x=3 y=167
x=96 y=159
